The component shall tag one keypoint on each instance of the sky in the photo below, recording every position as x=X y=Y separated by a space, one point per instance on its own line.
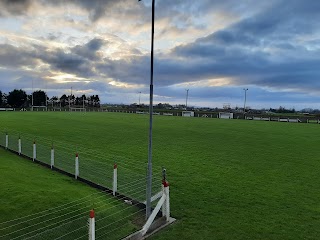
x=214 y=48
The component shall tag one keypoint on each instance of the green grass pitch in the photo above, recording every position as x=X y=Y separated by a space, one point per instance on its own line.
x=229 y=179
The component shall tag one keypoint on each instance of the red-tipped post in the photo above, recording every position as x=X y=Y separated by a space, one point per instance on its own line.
x=52 y=157
x=34 y=150
x=91 y=225
x=166 y=204
x=76 y=175
x=115 y=179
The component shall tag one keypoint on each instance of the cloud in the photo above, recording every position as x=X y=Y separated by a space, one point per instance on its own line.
x=90 y=49
x=13 y=57
x=104 y=46
x=14 y=7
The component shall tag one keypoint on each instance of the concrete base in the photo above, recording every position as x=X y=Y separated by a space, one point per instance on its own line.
x=156 y=226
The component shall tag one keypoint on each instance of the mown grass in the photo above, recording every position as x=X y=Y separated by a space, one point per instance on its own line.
x=230 y=179
x=28 y=189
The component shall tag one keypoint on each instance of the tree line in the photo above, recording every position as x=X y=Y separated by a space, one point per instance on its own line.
x=18 y=98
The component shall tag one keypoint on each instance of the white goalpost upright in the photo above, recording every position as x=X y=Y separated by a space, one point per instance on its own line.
x=225 y=115
x=43 y=108
x=38 y=107
x=74 y=109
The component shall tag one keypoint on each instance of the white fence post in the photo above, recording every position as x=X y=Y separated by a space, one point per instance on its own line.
x=7 y=140
x=115 y=179
x=19 y=145
x=77 y=166
x=91 y=226
x=52 y=157
x=167 y=201
x=165 y=191
x=34 y=151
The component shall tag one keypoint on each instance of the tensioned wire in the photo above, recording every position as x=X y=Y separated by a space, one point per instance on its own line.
x=114 y=223
x=70 y=218
x=129 y=168
x=113 y=214
x=65 y=206
x=92 y=161
x=76 y=147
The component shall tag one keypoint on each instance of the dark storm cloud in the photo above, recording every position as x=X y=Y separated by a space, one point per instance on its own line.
x=134 y=70
x=89 y=50
x=77 y=60
x=11 y=56
x=95 y=8
x=241 y=50
x=14 y=7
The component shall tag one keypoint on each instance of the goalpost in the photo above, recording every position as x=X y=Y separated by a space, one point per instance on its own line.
x=78 y=109
x=225 y=115
x=36 y=108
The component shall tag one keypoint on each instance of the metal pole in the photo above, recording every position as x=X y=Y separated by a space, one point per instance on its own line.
x=83 y=102
x=187 y=98
x=139 y=98
x=70 y=98
x=45 y=95
x=245 y=100
x=149 y=178
x=32 y=97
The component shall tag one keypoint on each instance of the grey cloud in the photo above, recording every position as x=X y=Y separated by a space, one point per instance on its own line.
x=14 y=7
x=95 y=8
x=89 y=50
x=67 y=62
x=11 y=56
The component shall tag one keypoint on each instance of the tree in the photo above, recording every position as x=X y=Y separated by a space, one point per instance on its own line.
x=97 y=101
x=39 y=98
x=4 y=99
x=54 y=100
x=78 y=101
x=64 y=100
x=94 y=101
x=17 y=98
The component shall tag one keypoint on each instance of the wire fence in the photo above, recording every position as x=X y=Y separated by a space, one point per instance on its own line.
x=70 y=221
x=113 y=218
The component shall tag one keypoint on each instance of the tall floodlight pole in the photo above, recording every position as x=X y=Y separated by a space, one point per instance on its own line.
x=70 y=98
x=139 y=98
x=149 y=177
x=245 y=100
x=187 y=98
x=32 y=97
x=45 y=95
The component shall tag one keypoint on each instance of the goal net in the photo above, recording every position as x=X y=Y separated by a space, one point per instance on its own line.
x=225 y=115
x=39 y=108
x=77 y=109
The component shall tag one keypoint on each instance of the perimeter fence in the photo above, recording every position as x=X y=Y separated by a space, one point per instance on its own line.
x=112 y=174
